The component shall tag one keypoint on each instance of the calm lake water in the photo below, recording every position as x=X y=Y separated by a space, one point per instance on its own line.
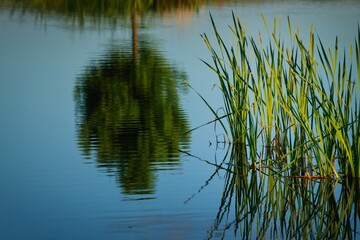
x=93 y=114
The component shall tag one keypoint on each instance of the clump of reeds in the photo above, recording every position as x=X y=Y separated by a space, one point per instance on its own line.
x=292 y=107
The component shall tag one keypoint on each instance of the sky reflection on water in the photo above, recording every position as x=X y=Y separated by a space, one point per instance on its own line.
x=49 y=189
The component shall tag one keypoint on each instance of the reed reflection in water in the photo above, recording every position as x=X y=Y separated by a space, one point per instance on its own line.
x=258 y=204
x=129 y=115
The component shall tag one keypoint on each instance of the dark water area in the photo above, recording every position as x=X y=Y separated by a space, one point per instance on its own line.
x=96 y=119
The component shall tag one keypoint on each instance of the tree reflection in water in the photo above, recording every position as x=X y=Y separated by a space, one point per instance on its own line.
x=129 y=113
x=104 y=11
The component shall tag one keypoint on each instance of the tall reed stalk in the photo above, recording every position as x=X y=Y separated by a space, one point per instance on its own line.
x=291 y=106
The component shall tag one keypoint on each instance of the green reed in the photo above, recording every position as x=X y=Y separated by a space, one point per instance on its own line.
x=290 y=106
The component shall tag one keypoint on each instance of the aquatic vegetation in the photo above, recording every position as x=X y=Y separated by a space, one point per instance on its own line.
x=291 y=106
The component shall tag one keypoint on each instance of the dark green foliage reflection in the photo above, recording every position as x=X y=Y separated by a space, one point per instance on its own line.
x=129 y=114
x=100 y=11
